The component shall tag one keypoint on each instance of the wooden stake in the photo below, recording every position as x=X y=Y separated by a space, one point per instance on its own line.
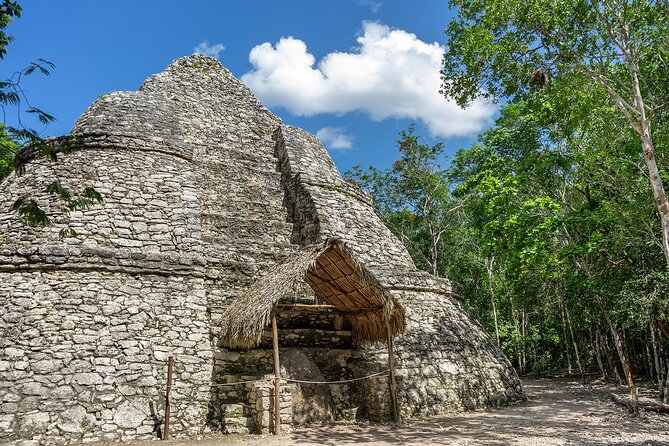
x=277 y=377
x=168 y=398
x=391 y=375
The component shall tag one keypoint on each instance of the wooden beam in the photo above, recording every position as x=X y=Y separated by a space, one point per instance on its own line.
x=168 y=398
x=277 y=376
x=308 y=306
x=288 y=310
x=391 y=375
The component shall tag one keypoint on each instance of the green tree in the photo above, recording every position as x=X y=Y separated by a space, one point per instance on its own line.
x=413 y=198
x=510 y=47
x=513 y=49
x=563 y=206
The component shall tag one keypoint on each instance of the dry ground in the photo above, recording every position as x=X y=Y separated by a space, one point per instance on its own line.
x=559 y=412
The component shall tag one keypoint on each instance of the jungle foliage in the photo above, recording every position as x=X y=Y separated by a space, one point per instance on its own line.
x=548 y=220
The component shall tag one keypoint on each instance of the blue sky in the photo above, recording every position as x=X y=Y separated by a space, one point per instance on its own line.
x=355 y=72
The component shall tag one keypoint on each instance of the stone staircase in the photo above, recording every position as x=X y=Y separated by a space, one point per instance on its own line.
x=237 y=419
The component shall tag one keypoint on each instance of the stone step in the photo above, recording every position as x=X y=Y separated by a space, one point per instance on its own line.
x=236 y=418
x=254 y=253
x=308 y=337
x=261 y=156
x=246 y=226
x=238 y=173
x=234 y=411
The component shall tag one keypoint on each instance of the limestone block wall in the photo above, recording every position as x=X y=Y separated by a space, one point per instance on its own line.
x=447 y=361
x=83 y=354
x=198 y=111
x=89 y=320
x=261 y=398
x=193 y=208
x=326 y=206
x=151 y=210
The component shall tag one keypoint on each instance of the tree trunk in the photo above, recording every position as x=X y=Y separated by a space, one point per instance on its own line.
x=609 y=359
x=488 y=266
x=665 y=395
x=594 y=341
x=516 y=326
x=649 y=362
x=434 y=247
x=642 y=124
x=523 y=333
x=653 y=172
x=617 y=340
x=566 y=338
x=645 y=405
x=658 y=191
x=664 y=327
x=573 y=340
x=659 y=377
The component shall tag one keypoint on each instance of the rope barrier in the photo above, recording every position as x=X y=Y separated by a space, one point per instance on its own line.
x=385 y=372
x=299 y=381
x=343 y=381
x=232 y=384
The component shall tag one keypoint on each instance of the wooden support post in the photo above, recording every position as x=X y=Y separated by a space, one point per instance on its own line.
x=277 y=377
x=168 y=398
x=391 y=375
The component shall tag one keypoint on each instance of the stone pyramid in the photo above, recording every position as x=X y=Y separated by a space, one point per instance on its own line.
x=204 y=190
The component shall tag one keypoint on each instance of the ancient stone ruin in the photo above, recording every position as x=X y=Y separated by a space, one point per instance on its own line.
x=205 y=191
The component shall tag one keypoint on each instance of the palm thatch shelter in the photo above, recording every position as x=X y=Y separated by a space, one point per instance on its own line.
x=339 y=282
x=336 y=278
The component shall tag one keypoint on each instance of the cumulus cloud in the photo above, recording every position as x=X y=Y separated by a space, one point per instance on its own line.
x=391 y=74
x=373 y=5
x=209 y=50
x=335 y=138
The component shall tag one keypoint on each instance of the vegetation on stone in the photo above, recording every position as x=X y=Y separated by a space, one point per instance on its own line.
x=20 y=143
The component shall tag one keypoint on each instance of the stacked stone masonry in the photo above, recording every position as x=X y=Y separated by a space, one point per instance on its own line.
x=204 y=190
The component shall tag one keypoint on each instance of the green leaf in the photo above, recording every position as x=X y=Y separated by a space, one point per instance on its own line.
x=31 y=213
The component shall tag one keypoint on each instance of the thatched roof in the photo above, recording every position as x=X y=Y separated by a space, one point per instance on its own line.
x=336 y=278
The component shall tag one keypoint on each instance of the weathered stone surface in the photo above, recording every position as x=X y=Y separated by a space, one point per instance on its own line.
x=87 y=379
x=33 y=424
x=46 y=366
x=204 y=190
x=312 y=403
x=128 y=416
x=75 y=420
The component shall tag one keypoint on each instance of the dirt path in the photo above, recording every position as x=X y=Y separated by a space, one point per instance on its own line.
x=559 y=412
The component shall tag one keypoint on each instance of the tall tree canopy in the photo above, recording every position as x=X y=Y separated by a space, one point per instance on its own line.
x=511 y=47
x=558 y=51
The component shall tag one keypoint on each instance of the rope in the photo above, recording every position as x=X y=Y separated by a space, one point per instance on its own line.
x=384 y=372
x=337 y=382
x=232 y=384
x=343 y=381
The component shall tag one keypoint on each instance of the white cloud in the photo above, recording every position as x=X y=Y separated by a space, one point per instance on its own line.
x=391 y=74
x=373 y=5
x=335 y=138
x=209 y=50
